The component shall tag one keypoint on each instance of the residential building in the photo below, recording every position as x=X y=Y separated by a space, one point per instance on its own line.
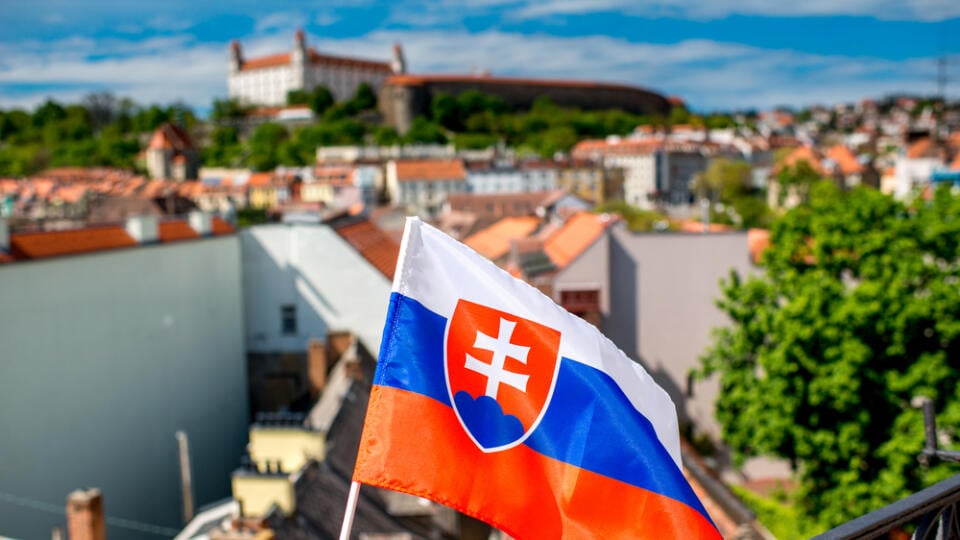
x=300 y=282
x=591 y=181
x=171 y=154
x=423 y=186
x=115 y=338
x=268 y=191
x=914 y=168
x=509 y=177
x=655 y=172
x=267 y=80
x=338 y=155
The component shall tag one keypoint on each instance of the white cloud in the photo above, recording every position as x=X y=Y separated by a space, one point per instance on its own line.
x=923 y=10
x=708 y=74
x=288 y=21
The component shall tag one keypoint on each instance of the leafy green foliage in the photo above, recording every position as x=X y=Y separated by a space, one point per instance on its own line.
x=729 y=183
x=264 y=146
x=424 y=131
x=298 y=97
x=857 y=313
x=779 y=517
x=320 y=99
x=100 y=131
x=636 y=219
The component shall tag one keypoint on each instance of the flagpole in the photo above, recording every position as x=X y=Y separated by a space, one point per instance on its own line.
x=350 y=511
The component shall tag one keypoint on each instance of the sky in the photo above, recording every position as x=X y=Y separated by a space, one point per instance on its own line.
x=715 y=54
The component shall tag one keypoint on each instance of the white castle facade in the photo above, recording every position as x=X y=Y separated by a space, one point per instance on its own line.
x=267 y=79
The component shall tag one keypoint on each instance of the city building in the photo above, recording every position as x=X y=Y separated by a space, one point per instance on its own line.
x=171 y=154
x=267 y=80
x=302 y=281
x=423 y=186
x=591 y=181
x=509 y=177
x=655 y=171
x=115 y=338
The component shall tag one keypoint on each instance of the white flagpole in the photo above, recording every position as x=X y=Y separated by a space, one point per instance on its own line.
x=350 y=511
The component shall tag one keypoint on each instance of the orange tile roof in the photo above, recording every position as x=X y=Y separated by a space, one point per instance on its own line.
x=803 y=153
x=316 y=58
x=273 y=60
x=494 y=241
x=170 y=137
x=376 y=246
x=436 y=169
x=260 y=179
x=40 y=245
x=343 y=61
x=222 y=227
x=845 y=159
x=955 y=166
x=922 y=148
x=576 y=235
x=171 y=231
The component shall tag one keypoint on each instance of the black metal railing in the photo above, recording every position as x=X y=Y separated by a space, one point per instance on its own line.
x=935 y=511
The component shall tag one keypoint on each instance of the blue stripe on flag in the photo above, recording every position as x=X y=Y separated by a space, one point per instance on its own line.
x=589 y=423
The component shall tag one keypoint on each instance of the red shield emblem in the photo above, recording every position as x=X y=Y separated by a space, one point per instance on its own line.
x=500 y=372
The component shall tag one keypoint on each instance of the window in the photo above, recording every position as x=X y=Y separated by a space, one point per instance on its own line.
x=288 y=319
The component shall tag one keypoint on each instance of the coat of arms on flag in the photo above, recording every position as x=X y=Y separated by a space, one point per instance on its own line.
x=500 y=371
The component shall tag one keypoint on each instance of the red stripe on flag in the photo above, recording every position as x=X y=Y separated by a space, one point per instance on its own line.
x=414 y=444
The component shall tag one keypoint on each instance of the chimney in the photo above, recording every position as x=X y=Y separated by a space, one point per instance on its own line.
x=85 y=518
x=316 y=366
x=4 y=236
x=202 y=222
x=143 y=229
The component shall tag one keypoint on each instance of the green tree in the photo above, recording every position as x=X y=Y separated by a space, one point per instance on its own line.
x=298 y=97
x=424 y=131
x=364 y=99
x=227 y=109
x=798 y=178
x=264 y=146
x=857 y=313
x=443 y=110
x=320 y=100
x=729 y=183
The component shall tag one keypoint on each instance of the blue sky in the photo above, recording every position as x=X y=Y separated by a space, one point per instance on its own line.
x=721 y=54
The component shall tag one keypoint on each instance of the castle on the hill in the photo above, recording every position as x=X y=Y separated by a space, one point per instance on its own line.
x=267 y=79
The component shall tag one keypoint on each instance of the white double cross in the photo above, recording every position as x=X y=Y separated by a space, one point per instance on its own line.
x=502 y=349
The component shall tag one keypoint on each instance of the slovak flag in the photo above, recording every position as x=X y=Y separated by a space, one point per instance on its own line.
x=491 y=399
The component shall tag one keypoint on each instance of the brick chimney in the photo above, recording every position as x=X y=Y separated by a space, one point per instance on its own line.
x=143 y=229
x=85 y=518
x=316 y=366
x=4 y=236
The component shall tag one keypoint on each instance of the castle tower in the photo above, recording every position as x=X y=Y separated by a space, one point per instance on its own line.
x=236 y=57
x=298 y=61
x=398 y=65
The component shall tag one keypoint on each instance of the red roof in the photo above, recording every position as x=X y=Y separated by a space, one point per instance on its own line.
x=576 y=235
x=373 y=244
x=40 y=245
x=845 y=159
x=47 y=244
x=170 y=137
x=171 y=231
x=316 y=58
x=436 y=169
x=494 y=241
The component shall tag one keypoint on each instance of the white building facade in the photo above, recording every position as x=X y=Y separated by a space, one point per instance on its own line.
x=511 y=179
x=267 y=80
